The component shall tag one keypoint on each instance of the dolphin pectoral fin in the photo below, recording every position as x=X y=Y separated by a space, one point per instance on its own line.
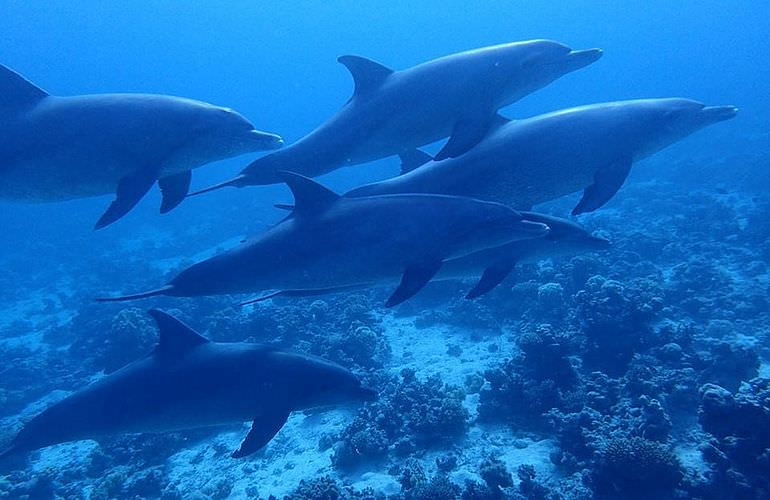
x=174 y=189
x=498 y=121
x=130 y=190
x=263 y=429
x=414 y=279
x=16 y=92
x=367 y=74
x=467 y=132
x=492 y=276
x=412 y=159
x=607 y=181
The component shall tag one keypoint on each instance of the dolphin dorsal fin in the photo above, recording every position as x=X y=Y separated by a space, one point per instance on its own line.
x=175 y=336
x=16 y=92
x=310 y=197
x=367 y=74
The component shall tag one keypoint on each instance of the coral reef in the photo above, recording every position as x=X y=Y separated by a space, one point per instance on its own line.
x=636 y=468
x=739 y=452
x=408 y=416
x=638 y=367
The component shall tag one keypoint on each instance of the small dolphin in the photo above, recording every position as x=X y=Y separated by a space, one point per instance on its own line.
x=61 y=148
x=564 y=238
x=526 y=162
x=494 y=264
x=188 y=382
x=394 y=112
x=330 y=241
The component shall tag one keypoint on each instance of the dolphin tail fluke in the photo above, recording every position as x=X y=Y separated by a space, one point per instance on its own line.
x=152 y=293
x=238 y=181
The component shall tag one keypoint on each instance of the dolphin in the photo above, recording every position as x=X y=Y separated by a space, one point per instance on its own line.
x=394 y=112
x=526 y=162
x=331 y=241
x=564 y=238
x=493 y=264
x=60 y=148
x=187 y=382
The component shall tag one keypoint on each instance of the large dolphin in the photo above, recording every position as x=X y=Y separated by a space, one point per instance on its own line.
x=526 y=162
x=330 y=241
x=60 y=148
x=394 y=112
x=188 y=382
x=493 y=264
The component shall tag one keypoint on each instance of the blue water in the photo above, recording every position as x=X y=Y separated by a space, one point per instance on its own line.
x=689 y=265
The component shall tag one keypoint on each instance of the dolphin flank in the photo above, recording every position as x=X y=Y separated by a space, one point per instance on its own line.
x=188 y=382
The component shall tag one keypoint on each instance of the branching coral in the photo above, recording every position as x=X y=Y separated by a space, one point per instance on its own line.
x=408 y=415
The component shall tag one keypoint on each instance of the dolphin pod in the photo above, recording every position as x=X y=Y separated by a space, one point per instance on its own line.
x=187 y=382
x=329 y=242
x=453 y=216
x=526 y=162
x=61 y=148
x=394 y=112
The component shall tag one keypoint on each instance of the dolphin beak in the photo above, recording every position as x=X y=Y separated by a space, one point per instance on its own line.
x=238 y=181
x=535 y=229
x=719 y=113
x=267 y=141
x=600 y=242
x=577 y=59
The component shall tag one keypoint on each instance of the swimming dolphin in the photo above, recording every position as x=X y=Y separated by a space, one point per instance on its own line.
x=526 y=162
x=564 y=238
x=330 y=241
x=189 y=382
x=61 y=148
x=494 y=264
x=394 y=112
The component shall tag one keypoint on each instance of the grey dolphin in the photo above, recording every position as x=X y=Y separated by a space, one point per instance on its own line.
x=188 y=382
x=60 y=148
x=394 y=112
x=526 y=162
x=493 y=264
x=330 y=241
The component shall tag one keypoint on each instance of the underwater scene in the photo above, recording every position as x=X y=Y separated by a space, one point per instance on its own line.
x=429 y=250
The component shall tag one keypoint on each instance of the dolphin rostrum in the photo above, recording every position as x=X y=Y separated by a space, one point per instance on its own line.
x=526 y=162
x=189 y=382
x=61 y=148
x=394 y=112
x=331 y=241
x=493 y=264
